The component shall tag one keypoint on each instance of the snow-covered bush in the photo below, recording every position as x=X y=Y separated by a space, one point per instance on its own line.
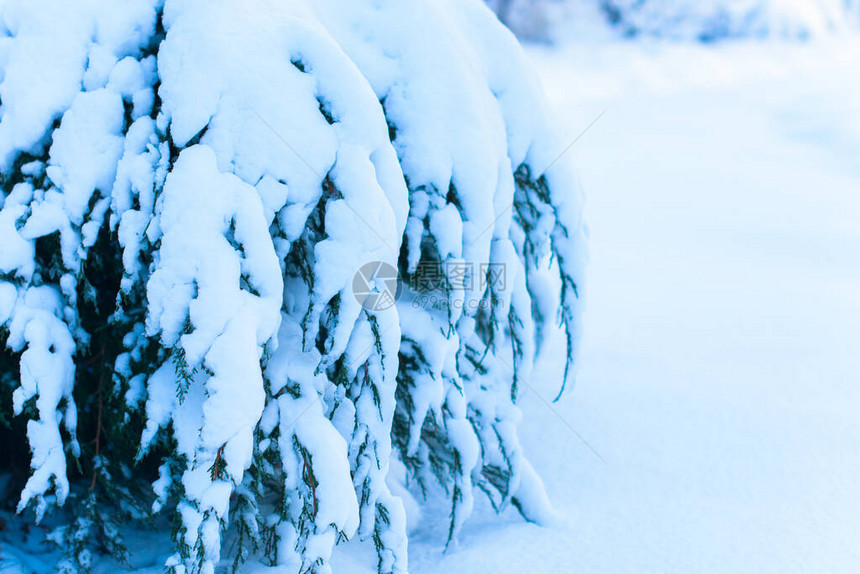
x=189 y=188
x=528 y=19
x=709 y=20
x=704 y=20
x=550 y=21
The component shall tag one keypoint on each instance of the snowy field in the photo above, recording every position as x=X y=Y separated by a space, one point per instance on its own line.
x=721 y=361
x=718 y=380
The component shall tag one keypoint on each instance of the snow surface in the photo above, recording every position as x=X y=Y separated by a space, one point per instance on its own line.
x=721 y=350
x=720 y=361
x=719 y=374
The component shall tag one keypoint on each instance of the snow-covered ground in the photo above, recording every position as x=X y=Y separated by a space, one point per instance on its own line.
x=721 y=363
x=721 y=359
